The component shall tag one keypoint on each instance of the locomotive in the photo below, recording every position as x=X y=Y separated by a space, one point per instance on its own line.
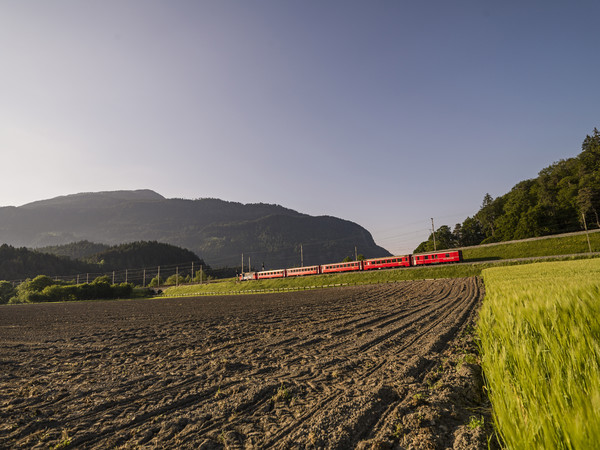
x=389 y=262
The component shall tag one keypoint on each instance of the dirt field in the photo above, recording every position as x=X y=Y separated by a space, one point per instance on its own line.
x=386 y=366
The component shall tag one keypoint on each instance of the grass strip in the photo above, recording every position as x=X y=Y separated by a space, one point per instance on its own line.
x=540 y=342
x=552 y=246
x=366 y=277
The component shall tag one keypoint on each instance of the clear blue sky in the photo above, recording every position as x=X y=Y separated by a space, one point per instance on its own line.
x=386 y=113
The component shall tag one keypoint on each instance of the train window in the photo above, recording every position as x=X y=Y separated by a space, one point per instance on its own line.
x=447 y=255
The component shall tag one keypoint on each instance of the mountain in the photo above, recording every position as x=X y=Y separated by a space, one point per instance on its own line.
x=216 y=230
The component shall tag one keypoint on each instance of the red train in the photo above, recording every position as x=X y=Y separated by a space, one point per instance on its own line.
x=389 y=262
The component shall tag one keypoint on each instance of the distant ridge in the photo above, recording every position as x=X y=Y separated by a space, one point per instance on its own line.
x=218 y=231
x=82 y=199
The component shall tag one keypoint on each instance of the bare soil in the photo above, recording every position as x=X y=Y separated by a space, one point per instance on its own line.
x=385 y=366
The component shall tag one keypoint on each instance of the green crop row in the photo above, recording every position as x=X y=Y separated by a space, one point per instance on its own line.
x=540 y=343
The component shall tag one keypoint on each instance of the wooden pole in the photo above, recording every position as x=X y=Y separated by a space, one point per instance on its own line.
x=587 y=234
x=433 y=233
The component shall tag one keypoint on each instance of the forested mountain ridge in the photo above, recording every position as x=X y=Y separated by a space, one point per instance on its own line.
x=75 y=250
x=564 y=197
x=216 y=230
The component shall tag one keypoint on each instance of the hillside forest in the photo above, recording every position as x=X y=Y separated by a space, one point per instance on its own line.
x=564 y=197
x=84 y=257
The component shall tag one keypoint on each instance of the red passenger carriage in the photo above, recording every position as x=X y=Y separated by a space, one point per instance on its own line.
x=271 y=274
x=387 y=263
x=300 y=271
x=446 y=256
x=342 y=267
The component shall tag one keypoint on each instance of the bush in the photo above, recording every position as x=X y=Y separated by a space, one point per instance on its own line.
x=6 y=291
x=57 y=293
x=123 y=290
x=156 y=282
x=44 y=289
x=30 y=291
x=174 y=280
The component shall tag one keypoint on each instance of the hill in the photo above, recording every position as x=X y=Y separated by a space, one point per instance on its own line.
x=21 y=263
x=217 y=230
x=565 y=197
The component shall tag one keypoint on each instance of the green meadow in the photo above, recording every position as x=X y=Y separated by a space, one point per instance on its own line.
x=550 y=246
x=540 y=346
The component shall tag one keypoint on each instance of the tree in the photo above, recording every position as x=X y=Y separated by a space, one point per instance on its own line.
x=200 y=276
x=468 y=233
x=443 y=239
x=7 y=291
x=588 y=197
x=174 y=280
x=156 y=281
x=487 y=215
x=590 y=154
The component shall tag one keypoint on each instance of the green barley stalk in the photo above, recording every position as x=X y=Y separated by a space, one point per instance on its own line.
x=540 y=341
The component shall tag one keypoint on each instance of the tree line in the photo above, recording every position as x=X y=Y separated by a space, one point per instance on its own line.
x=564 y=197
x=18 y=264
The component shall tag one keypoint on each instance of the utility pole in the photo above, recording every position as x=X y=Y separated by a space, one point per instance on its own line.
x=433 y=233
x=158 y=277
x=242 y=265
x=301 y=257
x=144 y=282
x=249 y=266
x=355 y=254
x=177 y=276
x=201 y=273
x=125 y=276
x=587 y=234
x=192 y=271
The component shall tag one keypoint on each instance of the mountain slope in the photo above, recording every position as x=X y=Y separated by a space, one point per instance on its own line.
x=216 y=230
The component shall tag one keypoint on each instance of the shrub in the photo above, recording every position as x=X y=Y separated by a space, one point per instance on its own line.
x=174 y=280
x=6 y=291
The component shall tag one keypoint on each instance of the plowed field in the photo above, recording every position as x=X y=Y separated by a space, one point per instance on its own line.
x=385 y=366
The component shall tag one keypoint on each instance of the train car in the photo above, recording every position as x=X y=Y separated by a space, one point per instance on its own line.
x=301 y=271
x=247 y=276
x=342 y=267
x=280 y=273
x=387 y=263
x=446 y=256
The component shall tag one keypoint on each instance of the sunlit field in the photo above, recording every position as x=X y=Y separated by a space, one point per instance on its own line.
x=540 y=341
x=552 y=246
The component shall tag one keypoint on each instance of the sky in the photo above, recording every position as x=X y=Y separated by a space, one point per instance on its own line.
x=386 y=113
